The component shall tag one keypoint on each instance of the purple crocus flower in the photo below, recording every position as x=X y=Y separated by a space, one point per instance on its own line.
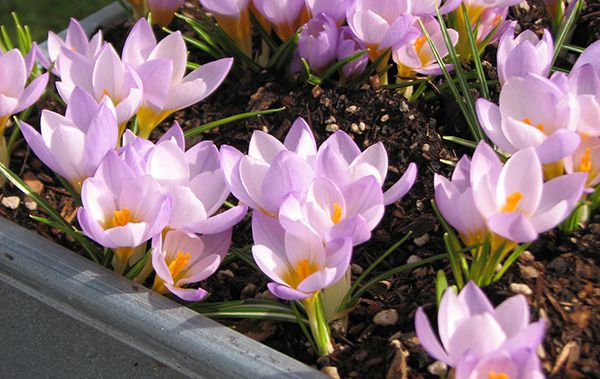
x=524 y=54
x=348 y=45
x=417 y=56
x=163 y=10
x=15 y=94
x=286 y=16
x=381 y=24
x=427 y=7
x=454 y=199
x=340 y=160
x=161 y=68
x=234 y=18
x=533 y=112
x=299 y=264
x=121 y=210
x=586 y=159
x=74 y=145
x=589 y=56
x=317 y=42
x=336 y=9
x=514 y=199
x=476 y=337
x=182 y=258
x=584 y=83
x=105 y=76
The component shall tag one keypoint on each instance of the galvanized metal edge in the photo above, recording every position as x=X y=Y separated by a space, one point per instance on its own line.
x=155 y=325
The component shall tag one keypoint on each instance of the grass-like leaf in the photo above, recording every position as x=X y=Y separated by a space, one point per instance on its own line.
x=282 y=55
x=485 y=91
x=441 y=285
x=138 y=266
x=461 y=141
x=242 y=116
x=242 y=309
x=564 y=30
x=263 y=33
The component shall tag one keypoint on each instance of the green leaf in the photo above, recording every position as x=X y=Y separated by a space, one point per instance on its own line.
x=485 y=91
x=211 y=125
x=461 y=141
x=565 y=29
x=138 y=266
x=242 y=309
x=341 y=63
x=441 y=285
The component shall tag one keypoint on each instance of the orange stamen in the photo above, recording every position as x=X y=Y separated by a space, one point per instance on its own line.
x=178 y=264
x=337 y=213
x=419 y=42
x=512 y=201
x=498 y=375
x=121 y=218
x=539 y=127
x=586 y=161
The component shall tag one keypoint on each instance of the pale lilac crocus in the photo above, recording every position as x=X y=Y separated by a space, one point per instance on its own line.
x=584 y=83
x=533 y=112
x=163 y=10
x=122 y=210
x=74 y=145
x=317 y=42
x=286 y=16
x=417 y=56
x=181 y=258
x=336 y=9
x=586 y=159
x=233 y=17
x=272 y=170
x=195 y=181
x=106 y=76
x=161 y=67
x=298 y=264
x=339 y=158
x=524 y=54
x=348 y=45
x=514 y=199
x=481 y=341
x=454 y=199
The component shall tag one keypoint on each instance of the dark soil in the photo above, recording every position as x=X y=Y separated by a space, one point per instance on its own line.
x=561 y=271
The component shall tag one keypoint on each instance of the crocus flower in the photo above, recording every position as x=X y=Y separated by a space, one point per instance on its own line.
x=15 y=94
x=514 y=199
x=74 y=145
x=272 y=170
x=122 y=210
x=286 y=16
x=163 y=10
x=417 y=56
x=76 y=41
x=193 y=178
x=348 y=45
x=454 y=199
x=584 y=83
x=586 y=159
x=524 y=54
x=162 y=68
x=533 y=112
x=299 y=264
x=106 y=76
x=234 y=18
x=317 y=42
x=427 y=7
x=182 y=258
x=339 y=158
x=479 y=340
x=589 y=56
x=381 y=24
x=336 y=9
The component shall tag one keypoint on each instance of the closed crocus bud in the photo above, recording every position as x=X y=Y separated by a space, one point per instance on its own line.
x=74 y=145
x=317 y=42
x=533 y=112
x=163 y=10
x=286 y=16
x=181 y=258
x=348 y=45
x=524 y=54
x=336 y=9
x=234 y=18
x=161 y=67
x=481 y=341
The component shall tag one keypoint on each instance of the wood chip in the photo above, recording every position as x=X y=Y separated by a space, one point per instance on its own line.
x=568 y=355
x=399 y=367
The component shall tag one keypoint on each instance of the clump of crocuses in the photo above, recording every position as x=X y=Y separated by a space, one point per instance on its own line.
x=481 y=341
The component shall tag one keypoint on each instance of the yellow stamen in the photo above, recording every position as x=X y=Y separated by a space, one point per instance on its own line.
x=419 y=42
x=586 y=161
x=178 y=264
x=337 y=213
x=303 y=269
x=539 y=127
x=498 y=375
x=105 y=93
x=300 y=271
x=512 y=201
x=121 y=218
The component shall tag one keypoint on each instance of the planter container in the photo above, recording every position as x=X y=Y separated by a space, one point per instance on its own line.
x=174 y=335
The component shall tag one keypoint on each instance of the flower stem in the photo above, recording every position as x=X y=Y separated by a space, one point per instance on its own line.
x=3 y=159
x=318 y=324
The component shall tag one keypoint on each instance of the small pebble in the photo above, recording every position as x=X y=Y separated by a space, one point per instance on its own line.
x=519 y=288
x=332 y=128
x=355 y=129
x=249 y=291
x=31 y=205
x=11 y=202
x=362 y=126
x=425 y=148
x=330 y=120
x=438 y=368
x=385 y=118
x=34 y=183
x=422 y=240
x=404 y=106
x=413 y=259
x=331 y=371
x=356 y=269
x=225 y=274
x=528 y=272
x=526 y=256
x=352 y=109
x=386 y=318
x=411 y=117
